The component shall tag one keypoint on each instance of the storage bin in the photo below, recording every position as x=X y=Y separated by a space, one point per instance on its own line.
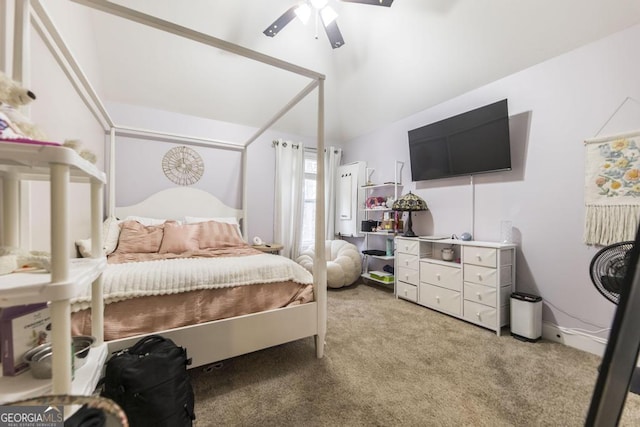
x=526 y=316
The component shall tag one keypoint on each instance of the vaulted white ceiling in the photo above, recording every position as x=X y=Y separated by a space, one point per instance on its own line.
x=396 y=61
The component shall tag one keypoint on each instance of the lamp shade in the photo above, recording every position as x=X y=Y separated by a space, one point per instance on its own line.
x=409 y=203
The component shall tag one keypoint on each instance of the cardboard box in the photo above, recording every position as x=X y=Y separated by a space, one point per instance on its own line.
x=22 y=328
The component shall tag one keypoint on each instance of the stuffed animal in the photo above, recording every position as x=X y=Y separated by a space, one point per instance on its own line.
x=14 y=124
x=76 y=145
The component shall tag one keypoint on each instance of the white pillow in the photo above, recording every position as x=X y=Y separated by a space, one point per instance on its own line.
x=227 y=220
x=84 y=247
x=110 y=236
x=146 y=221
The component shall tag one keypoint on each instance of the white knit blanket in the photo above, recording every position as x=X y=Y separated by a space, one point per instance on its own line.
x=162 y=277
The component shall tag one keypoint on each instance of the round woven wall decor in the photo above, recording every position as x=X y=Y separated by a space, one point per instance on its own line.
x=183 y=165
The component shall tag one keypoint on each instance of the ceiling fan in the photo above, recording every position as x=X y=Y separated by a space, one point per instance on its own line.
x=323 y=12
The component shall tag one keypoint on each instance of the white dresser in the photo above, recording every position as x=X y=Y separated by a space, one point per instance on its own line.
x=475 y=286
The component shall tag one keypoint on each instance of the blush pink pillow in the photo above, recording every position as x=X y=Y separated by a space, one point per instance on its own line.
x=216 y=235
x=136 y=238
x=179 y=238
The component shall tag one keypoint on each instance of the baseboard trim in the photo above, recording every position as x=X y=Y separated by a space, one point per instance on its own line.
x=582 y=342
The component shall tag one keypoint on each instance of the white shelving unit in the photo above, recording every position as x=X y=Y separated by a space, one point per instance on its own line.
x=61 y=166
x=372 y=239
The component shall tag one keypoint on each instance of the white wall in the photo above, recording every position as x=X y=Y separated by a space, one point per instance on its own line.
x=554 y=107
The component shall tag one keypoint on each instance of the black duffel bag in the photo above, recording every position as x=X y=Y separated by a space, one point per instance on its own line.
x=151 y=384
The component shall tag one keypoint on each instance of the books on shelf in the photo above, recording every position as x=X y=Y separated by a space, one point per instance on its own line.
x=382 y=276
x=22 y=328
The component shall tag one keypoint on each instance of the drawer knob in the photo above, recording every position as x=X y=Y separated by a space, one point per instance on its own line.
x=478 y=314
x=479 y=276
x=405 y=292
x=479 y=257
x=438 y=299
x=406 y=277
x=438 y=276
x=478 y=295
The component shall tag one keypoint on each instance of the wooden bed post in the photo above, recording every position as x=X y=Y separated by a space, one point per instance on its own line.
x=244 y=201
x=111 y=188
x=320 y=261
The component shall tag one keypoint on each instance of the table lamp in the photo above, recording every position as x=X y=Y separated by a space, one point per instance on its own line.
x=409 y=203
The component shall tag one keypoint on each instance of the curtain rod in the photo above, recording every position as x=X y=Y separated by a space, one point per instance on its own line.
x=310 y=149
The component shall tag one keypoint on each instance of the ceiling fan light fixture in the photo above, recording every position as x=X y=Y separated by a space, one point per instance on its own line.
x=319 y=4
x=303 y=12
x=322 y=12
x=328 y=15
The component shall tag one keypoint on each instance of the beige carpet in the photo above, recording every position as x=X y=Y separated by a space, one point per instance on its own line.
x=389 y=362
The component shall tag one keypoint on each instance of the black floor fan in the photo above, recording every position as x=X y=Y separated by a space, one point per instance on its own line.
x=615 y=273
x=608 y=270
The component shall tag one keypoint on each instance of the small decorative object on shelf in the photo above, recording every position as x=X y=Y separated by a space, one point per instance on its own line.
x=389 y=247
x=410 y=203
x=22 y=328
x=467 y=237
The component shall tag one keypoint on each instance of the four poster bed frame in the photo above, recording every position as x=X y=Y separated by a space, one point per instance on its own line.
x=217 y=340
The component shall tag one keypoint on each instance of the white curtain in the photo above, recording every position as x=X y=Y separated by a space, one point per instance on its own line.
x=288 y=196
x=332 y=158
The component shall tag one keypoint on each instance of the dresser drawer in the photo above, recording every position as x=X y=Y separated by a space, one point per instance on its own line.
x=440 y=298
x=481 y=294
x=480 y=275
x=487 y=276
x=408 y=246
x=441 y=275
x=485 y=315
x=407 y=291
x=408 y=261
x=480 y=256
x=408 y=275
x=486 y=294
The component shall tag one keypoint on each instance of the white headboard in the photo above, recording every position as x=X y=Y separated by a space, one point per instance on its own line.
x=178 y=202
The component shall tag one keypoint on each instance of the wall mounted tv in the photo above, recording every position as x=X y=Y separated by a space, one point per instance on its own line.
x=470 y=143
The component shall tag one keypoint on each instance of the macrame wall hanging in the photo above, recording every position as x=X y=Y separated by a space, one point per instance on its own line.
x=612 y=187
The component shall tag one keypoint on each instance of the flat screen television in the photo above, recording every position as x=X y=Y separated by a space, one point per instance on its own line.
x=470 y=143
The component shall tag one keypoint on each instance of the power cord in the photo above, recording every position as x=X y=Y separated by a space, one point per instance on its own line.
x=545 y=301
x=581 y=332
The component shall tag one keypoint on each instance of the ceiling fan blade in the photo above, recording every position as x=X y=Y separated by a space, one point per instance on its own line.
x=386 y=3
x=280 y=23
x=334 y=34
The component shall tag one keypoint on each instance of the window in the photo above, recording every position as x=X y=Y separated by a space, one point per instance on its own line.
x=309 y=208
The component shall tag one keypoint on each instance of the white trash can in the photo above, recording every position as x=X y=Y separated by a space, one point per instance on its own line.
x=526 y=316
